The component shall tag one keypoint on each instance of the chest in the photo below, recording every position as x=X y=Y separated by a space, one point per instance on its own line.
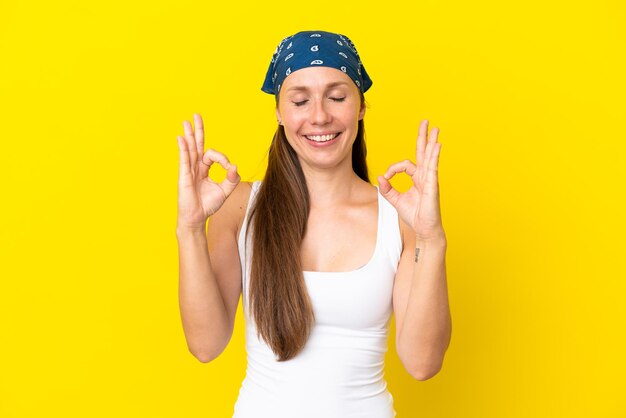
x=341 y=241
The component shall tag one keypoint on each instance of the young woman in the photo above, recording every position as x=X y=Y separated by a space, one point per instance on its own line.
x=321 y=257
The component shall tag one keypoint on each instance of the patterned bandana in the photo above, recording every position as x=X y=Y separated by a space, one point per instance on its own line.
x=315 y=48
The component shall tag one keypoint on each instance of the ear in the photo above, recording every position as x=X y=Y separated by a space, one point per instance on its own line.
x=278 y=118
x=362 y=112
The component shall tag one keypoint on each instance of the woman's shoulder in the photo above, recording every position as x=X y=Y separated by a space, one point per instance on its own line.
x=234 y=208
x=241 y=199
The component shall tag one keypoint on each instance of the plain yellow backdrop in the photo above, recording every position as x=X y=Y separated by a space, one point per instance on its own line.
x=529 y=99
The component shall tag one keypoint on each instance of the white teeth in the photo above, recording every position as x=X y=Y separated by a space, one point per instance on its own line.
x=322 y=138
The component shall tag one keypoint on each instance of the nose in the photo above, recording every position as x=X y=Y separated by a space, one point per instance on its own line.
x=319 y=114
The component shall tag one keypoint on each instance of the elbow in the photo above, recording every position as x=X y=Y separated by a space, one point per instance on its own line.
x=427 y=368
x=425 y=373
x=204 y=356
x=422 y=368
x=206 y=352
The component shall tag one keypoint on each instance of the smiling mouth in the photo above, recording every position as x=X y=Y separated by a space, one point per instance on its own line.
x=322 y=138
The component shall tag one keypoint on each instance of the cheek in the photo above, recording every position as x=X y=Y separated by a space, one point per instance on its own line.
x=291 y=132
x=295 y=122
x=351 y=117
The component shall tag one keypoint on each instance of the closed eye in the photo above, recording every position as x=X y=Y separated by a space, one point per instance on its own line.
x=336 y=99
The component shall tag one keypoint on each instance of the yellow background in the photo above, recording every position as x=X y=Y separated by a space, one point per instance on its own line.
x=529 y=98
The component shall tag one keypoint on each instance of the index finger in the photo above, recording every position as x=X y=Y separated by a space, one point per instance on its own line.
x=215 y=156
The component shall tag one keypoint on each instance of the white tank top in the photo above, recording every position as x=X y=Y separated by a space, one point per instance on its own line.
x=339 y=373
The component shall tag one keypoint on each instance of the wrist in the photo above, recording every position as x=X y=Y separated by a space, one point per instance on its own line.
x=438 y=240
x=190 y=230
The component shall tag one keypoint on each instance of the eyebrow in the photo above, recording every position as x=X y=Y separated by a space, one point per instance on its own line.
x=328 y=86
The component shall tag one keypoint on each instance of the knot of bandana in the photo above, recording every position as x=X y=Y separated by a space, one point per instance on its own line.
x=315 y=48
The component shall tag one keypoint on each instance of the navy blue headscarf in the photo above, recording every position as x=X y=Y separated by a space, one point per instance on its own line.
x=315 y=48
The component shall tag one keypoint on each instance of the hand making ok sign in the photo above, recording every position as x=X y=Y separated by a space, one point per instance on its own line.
x=199 y=196
x=418 y=206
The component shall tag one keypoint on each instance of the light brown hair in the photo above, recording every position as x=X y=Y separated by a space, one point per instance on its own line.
x=279 y=301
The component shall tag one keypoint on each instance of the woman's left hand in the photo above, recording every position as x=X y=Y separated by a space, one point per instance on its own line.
x=418 y=206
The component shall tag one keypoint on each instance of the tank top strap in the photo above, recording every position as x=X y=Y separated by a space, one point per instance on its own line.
x=245 y=247
x=391 y=234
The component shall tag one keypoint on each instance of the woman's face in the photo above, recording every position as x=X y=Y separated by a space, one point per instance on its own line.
x=318 y=101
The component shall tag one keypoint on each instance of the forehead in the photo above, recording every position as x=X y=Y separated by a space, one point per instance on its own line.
x=316 y=78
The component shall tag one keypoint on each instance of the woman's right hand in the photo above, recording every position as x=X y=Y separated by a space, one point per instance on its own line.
x=198 y=196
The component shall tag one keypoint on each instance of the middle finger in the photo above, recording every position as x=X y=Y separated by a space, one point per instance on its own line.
x=432 y=142
x=199 y=132
x=191 y=144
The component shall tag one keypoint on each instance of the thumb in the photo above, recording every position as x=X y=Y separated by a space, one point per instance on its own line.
x=232 y=179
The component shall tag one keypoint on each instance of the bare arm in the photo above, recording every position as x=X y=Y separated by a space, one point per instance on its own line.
x=210 y=278
x=423 y=322
x=202 y=309
x=420 y=294
x=209 y=268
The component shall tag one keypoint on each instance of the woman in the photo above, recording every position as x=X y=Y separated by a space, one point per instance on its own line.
x=321 y=257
